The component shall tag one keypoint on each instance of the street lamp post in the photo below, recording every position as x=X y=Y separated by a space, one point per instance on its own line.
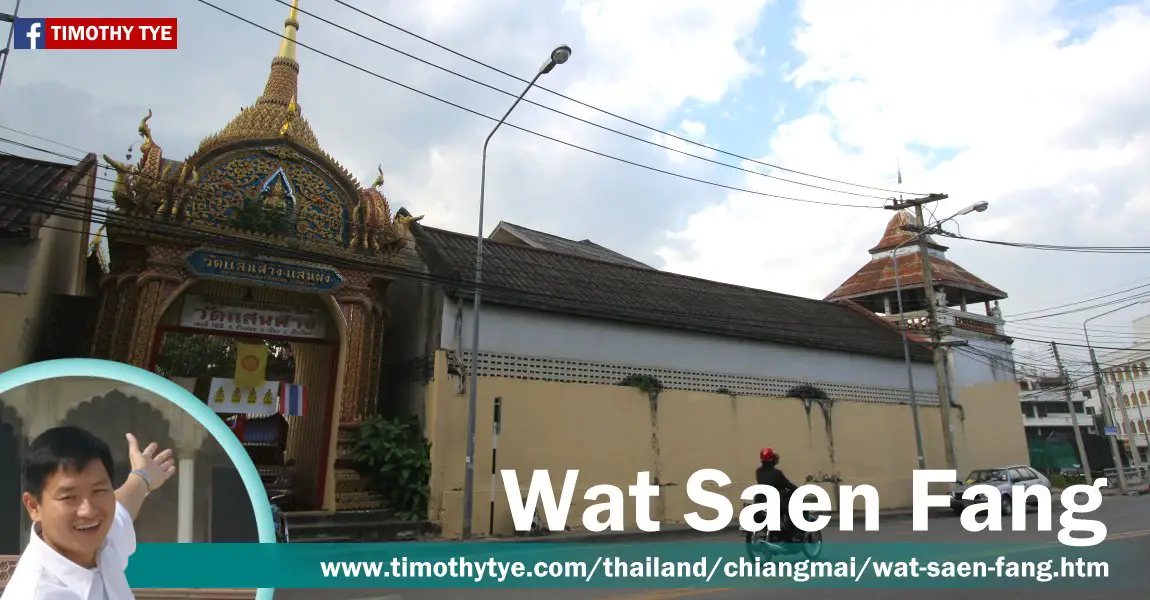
x=1109 y=416
x=8 y=18
x=558 y=56
x=977 y=207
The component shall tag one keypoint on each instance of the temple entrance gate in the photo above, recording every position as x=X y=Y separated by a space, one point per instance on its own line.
x=255 y=220
x=196 y=343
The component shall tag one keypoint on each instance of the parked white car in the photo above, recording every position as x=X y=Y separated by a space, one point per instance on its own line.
x=1003 y=478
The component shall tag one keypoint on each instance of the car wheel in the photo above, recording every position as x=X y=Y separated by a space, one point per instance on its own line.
x=1007 y=506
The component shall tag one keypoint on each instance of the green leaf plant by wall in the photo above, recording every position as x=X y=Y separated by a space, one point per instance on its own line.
x=395 y=457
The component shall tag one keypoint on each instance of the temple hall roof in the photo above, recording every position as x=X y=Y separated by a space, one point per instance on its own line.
x=878 y=276
x=562 y=282
x=511 y=233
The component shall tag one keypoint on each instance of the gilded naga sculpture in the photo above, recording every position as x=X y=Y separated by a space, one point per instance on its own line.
x=152 y=186
x=372 y=224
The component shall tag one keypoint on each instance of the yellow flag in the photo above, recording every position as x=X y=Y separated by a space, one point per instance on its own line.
x=251 y=365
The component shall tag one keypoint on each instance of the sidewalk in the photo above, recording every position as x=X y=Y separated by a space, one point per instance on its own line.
x=1136 y=490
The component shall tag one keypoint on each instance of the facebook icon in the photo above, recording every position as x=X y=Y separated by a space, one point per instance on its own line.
x=28 y=34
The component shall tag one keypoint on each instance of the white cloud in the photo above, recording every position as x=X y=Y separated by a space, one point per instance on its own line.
x=1054 y=132
x=639 y=59
x=694 y=129
x=653 y=56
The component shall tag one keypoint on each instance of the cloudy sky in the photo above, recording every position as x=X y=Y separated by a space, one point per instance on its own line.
x=1036 y=106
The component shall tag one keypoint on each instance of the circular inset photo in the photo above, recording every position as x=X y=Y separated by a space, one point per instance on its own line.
x=97 y=458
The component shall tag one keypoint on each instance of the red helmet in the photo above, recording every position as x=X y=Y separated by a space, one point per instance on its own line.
x=768 y=455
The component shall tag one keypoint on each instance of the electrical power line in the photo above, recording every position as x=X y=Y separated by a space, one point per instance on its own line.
x=177 y=233
x=575 y=117
x=535 y=133
x=594 y=108
x=1053 y=247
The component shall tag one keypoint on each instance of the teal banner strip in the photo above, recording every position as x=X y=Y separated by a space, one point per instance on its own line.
x=648 y=565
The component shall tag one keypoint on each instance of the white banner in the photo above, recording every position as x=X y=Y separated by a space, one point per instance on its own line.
x=226 y=398
x=201 y=313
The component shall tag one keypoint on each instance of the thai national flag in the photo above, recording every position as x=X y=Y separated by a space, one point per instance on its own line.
x=293 y=399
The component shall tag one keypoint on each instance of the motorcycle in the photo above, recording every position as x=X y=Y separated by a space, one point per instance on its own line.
x=790 y=540
x=279 y=519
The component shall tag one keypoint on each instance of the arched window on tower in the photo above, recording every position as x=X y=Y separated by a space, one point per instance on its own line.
x=1141 y=427
x=1141 y=397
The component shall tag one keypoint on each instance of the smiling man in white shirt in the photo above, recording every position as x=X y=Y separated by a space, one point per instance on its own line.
x=83 y=532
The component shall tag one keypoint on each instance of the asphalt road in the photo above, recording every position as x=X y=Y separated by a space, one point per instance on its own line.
x=1125 y=550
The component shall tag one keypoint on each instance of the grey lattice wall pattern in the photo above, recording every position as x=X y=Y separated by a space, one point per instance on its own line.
x=577 y=371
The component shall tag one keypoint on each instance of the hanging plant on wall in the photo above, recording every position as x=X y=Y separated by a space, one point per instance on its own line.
x=646 y=383
x=395 y=457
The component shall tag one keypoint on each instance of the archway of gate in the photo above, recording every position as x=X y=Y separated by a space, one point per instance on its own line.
x=284 y=424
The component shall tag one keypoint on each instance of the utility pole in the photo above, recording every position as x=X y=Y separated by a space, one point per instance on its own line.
x=937 y=349
x=1109 y=418
x=8 y=45
x=1135 y=456
x=1073 y=416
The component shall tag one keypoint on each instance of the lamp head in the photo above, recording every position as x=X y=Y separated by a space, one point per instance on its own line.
x=561 y=54
x=976 y=207
x=558 y=56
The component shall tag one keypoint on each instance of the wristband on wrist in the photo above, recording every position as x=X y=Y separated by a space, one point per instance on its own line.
x=143 y=475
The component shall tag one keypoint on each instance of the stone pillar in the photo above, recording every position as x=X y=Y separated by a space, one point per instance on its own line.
x=121 y=338
x=106 y=320
x=357 y=306
x=154 y=286
x=375 y=363
x=185 y=503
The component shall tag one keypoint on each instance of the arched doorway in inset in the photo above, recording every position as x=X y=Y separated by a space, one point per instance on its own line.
x=12 y=446
x=196 y=345
x=110 y=417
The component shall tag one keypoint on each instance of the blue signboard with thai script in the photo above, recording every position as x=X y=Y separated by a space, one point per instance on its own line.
x=262 y=271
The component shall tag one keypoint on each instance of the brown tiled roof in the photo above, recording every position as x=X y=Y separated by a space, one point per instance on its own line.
x=527 y=277
x=31 y=189
x=878 y=275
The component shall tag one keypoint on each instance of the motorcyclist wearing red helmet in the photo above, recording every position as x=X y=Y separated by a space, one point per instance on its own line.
x=768 y=473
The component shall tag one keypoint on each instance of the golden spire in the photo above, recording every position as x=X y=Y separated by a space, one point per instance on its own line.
x=276 y=113
x=291 y=26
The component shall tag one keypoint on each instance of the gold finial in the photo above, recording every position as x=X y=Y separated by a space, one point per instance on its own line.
x=291 y=26
x=379 y=179
x=287 y=120
x=144 y=130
